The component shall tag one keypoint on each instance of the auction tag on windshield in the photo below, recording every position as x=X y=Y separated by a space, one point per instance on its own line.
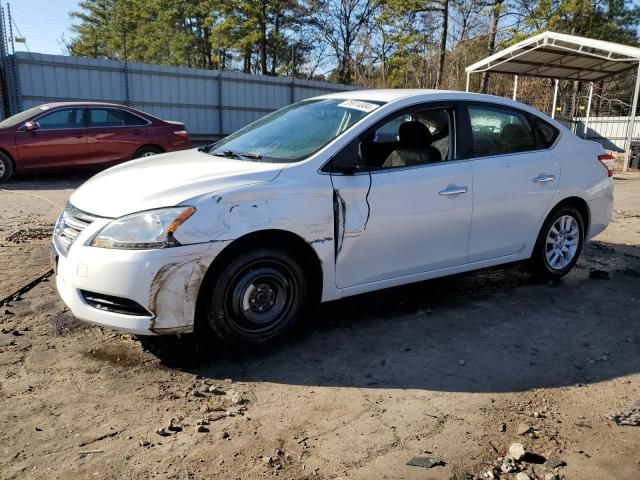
x=359 y=105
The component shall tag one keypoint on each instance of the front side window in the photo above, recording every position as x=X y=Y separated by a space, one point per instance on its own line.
x=112 y=117
x=295 y=132
x=65 y=118
x=417 y=137
x=498 y=131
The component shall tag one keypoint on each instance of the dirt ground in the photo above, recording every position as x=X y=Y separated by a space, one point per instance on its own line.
x=453 y=368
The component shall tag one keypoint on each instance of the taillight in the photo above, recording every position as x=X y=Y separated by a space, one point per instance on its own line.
x=181 y=133
x=607 y=162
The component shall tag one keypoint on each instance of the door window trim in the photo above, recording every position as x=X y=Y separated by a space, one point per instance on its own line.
x=455 y=107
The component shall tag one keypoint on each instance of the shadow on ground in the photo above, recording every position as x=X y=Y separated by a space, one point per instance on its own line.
x=49 y=180
x=495 y=330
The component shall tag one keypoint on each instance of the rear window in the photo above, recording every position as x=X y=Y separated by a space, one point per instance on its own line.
x=498 y=131
x=547 y=133
x=112 y=117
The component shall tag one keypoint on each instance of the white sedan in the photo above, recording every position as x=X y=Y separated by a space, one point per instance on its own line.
x=330 y=197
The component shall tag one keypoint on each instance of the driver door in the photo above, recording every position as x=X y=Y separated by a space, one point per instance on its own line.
x=60 y=140
x=399 y=222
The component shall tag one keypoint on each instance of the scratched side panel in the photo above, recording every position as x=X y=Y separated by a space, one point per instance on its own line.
x=298 y=201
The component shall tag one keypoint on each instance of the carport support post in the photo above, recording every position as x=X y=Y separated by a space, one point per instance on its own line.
x=555 y=99
x=515 y=86
x=467 y=89
x=632 y=121
x=586 y=119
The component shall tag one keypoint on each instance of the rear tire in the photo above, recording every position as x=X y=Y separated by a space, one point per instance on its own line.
x=256 y=298
x=148 y=151
x=559 y=243
x=6 y=167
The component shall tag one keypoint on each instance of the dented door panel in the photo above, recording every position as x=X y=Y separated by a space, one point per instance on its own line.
x=396 y=222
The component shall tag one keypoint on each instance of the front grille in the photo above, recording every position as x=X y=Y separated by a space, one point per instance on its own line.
x=69 y=225
x=109 y=303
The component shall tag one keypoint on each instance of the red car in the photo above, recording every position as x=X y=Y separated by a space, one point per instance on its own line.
x=81 y=134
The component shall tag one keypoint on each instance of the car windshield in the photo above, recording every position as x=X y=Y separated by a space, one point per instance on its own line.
x=22 y=116
x=295 y=132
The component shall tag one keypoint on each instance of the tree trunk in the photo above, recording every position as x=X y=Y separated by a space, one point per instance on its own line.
x=276 y=45
x=443 y=42
x=263 y=40
x=491 y=41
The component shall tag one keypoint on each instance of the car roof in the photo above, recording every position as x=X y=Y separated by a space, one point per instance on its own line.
x=81 y=104
x=394 y=95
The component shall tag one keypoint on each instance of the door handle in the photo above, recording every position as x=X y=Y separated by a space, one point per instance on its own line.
x=542 y=178
x=453 y=190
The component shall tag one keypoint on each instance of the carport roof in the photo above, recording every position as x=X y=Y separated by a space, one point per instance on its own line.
x=557 y=55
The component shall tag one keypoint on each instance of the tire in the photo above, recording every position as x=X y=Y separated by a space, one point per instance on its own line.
x=147 y=151
x=6 y=167
x=555 y=254
x=256 y=298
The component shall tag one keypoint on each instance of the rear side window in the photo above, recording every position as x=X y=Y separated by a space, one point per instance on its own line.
x=112 y=117
x=547 y=133
x=62 y=119
x=497 y=131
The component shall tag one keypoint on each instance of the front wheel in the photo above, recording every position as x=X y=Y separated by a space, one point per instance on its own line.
x=256 y=297
x=6 y=167
x=559 y=243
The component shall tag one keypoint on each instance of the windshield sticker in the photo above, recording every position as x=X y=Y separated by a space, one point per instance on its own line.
x=358 y=105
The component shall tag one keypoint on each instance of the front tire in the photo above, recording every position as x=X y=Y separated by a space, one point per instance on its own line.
x=559 y=243
x=6 y=167
x=256 y=298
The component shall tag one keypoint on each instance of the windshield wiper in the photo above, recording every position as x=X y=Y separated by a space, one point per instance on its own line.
x=231 y=153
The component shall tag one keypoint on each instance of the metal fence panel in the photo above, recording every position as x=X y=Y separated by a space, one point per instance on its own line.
x=209 y=102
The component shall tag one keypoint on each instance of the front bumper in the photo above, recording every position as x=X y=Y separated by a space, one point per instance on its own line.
x=165 y=281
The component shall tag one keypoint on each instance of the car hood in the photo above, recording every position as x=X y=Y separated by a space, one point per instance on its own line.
x=166 y=180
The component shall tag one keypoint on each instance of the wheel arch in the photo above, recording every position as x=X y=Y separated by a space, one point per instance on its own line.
x=150 y=145
x=11 y=159
x=579 y=204
x=283 y=239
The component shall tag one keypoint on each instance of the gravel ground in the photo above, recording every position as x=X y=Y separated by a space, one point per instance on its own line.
x=455 y=369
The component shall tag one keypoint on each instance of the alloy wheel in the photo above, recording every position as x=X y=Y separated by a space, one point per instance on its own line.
x=562 y=242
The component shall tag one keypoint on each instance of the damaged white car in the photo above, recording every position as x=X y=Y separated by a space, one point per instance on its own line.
x=330 y=197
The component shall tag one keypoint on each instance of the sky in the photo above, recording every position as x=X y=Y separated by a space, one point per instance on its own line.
x=42 y=22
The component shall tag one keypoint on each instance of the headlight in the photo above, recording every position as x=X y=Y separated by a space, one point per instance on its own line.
x=150 y=229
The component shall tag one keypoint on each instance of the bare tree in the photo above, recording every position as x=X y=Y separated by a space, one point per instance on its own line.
x=340 y=23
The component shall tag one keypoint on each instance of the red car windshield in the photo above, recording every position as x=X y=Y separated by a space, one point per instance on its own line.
x=22 y=116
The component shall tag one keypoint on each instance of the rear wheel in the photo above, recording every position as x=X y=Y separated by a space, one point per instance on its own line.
x=559 y=243
x=6 y=167
x=148 y=151
x=256 y=298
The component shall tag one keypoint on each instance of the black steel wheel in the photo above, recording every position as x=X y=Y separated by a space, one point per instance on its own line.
x=256 y=297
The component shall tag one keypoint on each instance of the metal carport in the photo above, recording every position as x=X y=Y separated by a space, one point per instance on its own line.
x=566 y=57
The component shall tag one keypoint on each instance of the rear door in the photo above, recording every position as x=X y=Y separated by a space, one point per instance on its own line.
x=59 y=141
x=114 y=134
x=514 y=180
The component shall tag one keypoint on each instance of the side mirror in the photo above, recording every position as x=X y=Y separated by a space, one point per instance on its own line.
x=31 y=126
